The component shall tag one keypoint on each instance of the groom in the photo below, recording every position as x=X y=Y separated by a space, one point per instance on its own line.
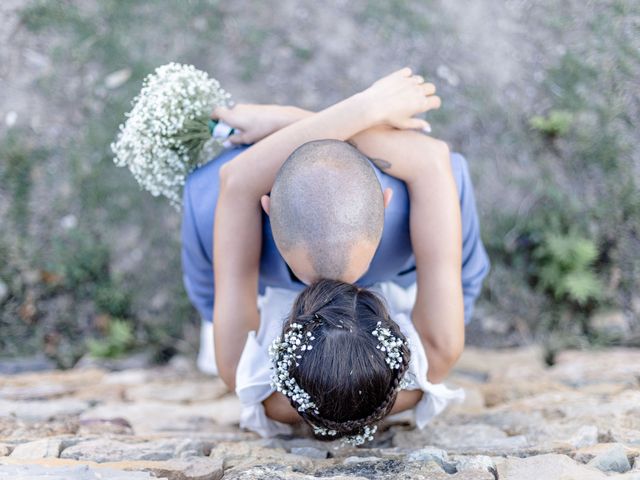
x=392 y=259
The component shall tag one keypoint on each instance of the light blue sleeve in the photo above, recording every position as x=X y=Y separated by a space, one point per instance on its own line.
x=475 y=261
x=197 y=269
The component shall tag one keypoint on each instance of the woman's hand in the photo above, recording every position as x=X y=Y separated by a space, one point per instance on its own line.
x=396 y=98
x=255 y=121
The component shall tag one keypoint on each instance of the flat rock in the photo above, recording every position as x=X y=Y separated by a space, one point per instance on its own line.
x=510 y=421
x=279 y=472
x=310 y=452
x=195 y=468
x=13 y=366
x=586 y=454
x=69 y=379
x=352 y=460
x=247 y=455
x=428 y=454
x=42 y=410
x=35 y=392
x=190 y=391
x=132 y=376
x=41 y=395
x=180 y=469
x=504 y=364
x=393 y=469
x=44 y=448
x=13 y=430
x=613 y=459
x=473 y=463
x=548 y=467
x=80 y=472
x=498 y=392
x=575 y=404
x=110 y=450
x=470 y=439
x=147 y=417
x=579 y=368
x=561 y=436
x=93 y=426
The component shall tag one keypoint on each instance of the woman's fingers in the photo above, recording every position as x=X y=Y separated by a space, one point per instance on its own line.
x=432 y=102
x=239 y=138
x=220 y=113
x=403 y=72
x=415 y=124
x=428 y=88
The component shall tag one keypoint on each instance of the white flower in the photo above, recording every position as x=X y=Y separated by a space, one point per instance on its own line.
x=166 y=135
x=282 y=358
x=389 y=344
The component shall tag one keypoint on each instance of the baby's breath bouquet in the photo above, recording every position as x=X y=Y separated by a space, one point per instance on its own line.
x=168 y=132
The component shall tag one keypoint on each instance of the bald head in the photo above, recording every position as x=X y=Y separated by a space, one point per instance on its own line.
x=327 y=209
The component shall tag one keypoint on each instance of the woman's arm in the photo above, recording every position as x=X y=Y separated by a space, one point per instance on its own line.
x=392 y=100
x=424 y=164
x=238 y=223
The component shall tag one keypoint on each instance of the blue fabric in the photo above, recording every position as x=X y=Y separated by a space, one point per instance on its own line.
x=393 y=261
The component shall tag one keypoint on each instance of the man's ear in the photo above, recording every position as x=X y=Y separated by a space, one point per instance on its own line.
x=387 y=195
x=265 y=201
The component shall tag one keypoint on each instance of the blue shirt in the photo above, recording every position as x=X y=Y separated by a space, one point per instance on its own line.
x=393 y=261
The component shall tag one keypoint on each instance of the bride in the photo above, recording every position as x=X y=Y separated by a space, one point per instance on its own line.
x=361 y=300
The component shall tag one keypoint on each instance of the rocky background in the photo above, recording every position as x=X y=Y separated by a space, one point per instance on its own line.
x=521 y=420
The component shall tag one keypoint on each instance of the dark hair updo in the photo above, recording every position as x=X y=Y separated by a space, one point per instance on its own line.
x=344 y=373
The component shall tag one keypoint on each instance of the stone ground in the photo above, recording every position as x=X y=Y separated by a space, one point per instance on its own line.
x=578 y=419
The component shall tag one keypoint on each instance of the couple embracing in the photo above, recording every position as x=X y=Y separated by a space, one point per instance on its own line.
x=334 y=258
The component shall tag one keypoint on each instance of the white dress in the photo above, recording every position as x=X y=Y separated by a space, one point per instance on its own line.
x=253 y=376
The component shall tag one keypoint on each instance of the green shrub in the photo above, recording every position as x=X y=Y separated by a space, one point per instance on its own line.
x=111 y=298
x=18 y=156
x=555 y=124
x=118 y=341
x=82 y=259
x=564 y=267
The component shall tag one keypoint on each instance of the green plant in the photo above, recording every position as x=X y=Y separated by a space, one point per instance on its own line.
x=18 y=157
x=556 y=124
x=111 y=298
x=565 y=268
x=81 y=258
x=117 y=342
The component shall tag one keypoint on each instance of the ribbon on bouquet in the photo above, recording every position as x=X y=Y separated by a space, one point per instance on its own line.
x=221 y=130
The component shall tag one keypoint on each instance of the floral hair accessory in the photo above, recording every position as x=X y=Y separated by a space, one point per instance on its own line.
x=286 y=350
x=284 y=353
x=353 y=440
x=390 y=344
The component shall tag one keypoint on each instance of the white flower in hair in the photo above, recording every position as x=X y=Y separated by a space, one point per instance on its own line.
x=390 y=344
x=366 y=436
x=283 y=353
x=286 y=350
